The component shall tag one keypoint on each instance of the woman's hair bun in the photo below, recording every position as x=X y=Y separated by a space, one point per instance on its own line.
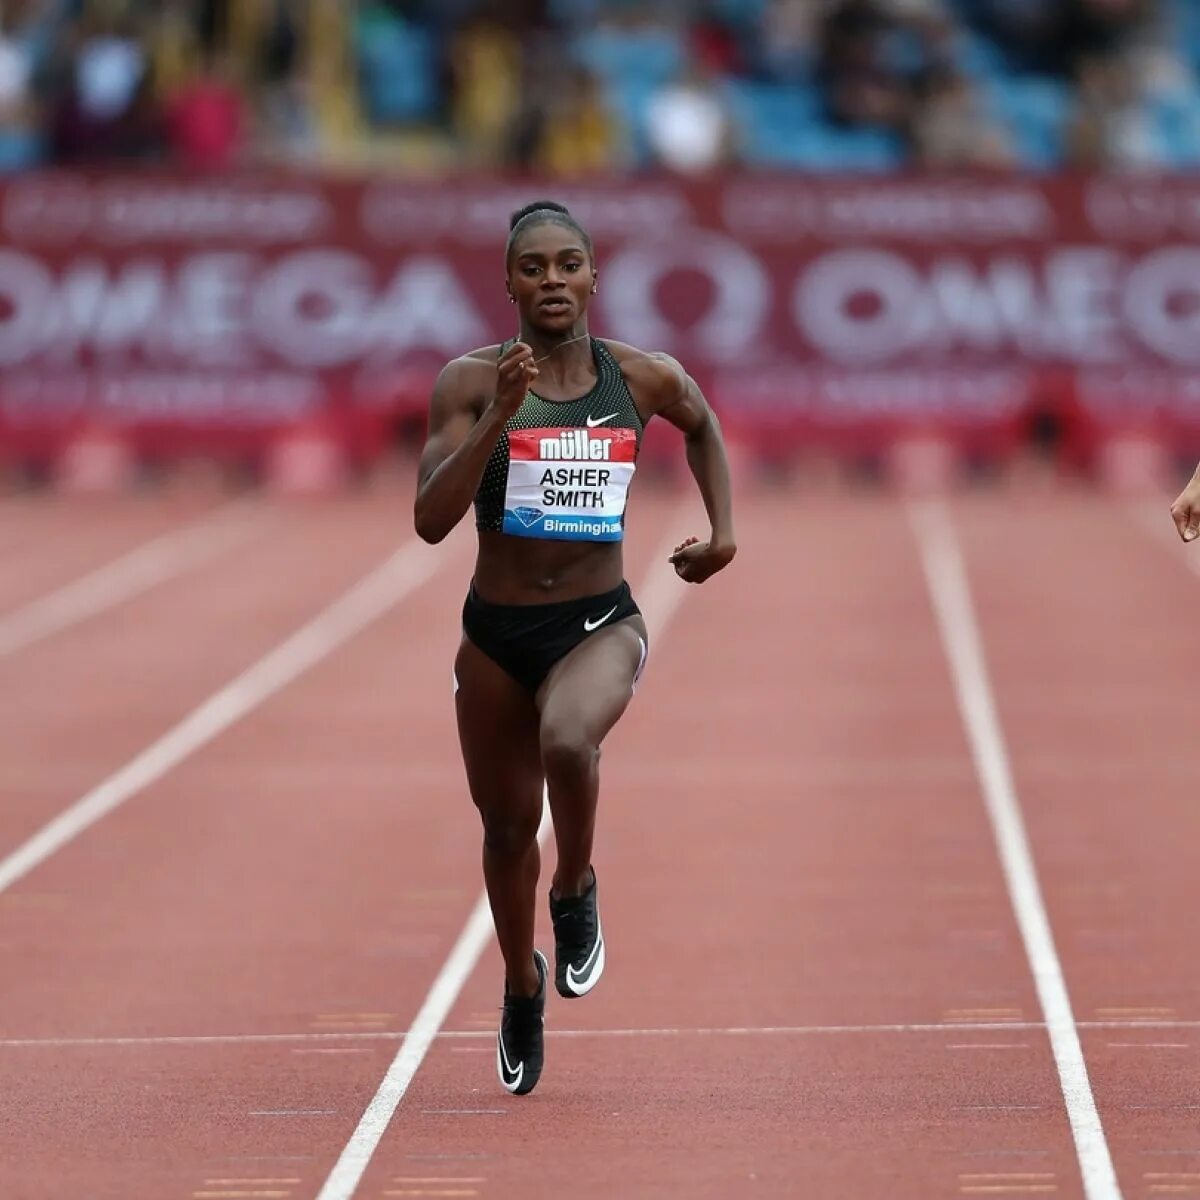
x=537 y=206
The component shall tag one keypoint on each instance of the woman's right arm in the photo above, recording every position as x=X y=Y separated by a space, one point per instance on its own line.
x=461 y=437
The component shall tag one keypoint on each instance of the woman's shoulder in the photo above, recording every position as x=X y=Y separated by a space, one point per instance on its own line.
x=470 y=367
x=646 y=368
x=487 y=355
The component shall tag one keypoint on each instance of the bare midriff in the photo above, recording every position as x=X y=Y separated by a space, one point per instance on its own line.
x=512 y=570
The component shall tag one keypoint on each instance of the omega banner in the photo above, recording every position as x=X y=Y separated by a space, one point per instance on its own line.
x=204 y=313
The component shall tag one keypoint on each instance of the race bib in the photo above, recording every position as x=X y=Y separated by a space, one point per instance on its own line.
x=569 y=484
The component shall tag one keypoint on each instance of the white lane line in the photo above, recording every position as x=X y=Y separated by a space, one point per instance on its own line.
x=364 y=603
x=144 y=567
x=294 y=1112
x=1149 y=1045
x=659 y=598
x=950 y=593
x=489 y=1034
x=988 y=1046
x=331 y=1050
x=462 y=1035
x=463 y=1112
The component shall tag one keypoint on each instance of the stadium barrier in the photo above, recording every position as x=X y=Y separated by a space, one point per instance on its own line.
x=231 y=317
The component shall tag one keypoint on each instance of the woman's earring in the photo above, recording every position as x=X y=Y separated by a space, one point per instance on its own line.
x=512 y=299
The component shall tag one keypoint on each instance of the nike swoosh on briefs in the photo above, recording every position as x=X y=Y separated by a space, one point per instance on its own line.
x=589 y=624
x=508 y=1076
x=592 y=422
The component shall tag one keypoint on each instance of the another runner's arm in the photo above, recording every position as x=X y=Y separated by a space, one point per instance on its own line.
x=461 y=437
x=1185 y=512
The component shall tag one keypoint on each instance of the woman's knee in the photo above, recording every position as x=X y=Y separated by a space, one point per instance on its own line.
x=568 y=748
x=509 y=833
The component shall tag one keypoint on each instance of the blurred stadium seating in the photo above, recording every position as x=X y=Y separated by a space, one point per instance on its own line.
x=816 y=85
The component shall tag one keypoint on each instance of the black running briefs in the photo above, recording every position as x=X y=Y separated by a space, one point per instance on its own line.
x=526 y=640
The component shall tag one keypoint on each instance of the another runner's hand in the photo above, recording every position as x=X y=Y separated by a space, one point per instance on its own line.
x=514 y=373
x=695 y=561
x=1185 y=512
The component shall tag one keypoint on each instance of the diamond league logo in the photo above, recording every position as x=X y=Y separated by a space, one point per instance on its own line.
x=528 y=516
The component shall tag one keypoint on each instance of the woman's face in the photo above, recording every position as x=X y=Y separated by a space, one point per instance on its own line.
x=551 y=277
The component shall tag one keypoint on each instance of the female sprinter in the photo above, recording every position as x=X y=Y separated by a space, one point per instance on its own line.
x=553 y=642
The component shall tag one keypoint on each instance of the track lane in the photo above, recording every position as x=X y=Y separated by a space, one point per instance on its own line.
x=304 y=873
x=77 y=705
x=48 y=542
x=791 y=835
x=1094 y=667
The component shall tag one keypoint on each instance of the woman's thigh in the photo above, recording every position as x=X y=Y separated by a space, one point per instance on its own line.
x=498 y=725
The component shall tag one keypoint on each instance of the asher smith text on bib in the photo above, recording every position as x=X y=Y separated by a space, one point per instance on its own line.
x=562 y=469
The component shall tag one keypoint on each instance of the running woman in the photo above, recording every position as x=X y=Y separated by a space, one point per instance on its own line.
x=553 y=642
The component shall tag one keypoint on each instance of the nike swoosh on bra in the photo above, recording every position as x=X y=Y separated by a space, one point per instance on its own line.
x=589 y=624
x=592 y=422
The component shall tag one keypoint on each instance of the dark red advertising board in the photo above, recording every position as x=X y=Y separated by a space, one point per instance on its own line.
x=203 y=313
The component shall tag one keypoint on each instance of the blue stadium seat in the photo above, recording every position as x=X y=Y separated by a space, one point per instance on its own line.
x=1035 y=110
x=978 y=58
x=1184 y=18
x=397 y=66
x=629 y=99
x=20 y=150
x=865 y=150
x=738 y=12
x=637 y=58
x=1175 y=117
x=767 y=115
x=788 y=132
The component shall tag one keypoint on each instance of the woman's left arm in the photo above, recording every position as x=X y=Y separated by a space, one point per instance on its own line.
x=683 y=404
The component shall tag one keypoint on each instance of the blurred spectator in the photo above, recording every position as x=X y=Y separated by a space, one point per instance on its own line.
x=1111 y=127
x=173 y=44
x=105 y=107
x=951 y=131
x=486 y=74
x=20 y=119
x=578 y=133
x=786 y=45
x=860 y=85
x=1030 y=32
x=1101 y=26
x=206 y=117
x=688 y=127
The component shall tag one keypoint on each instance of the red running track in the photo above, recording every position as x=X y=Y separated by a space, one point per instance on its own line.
x=816 y=983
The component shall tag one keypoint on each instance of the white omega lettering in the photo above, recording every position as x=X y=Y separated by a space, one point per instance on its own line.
x=310 y=308
x=425 y=306
x=27 y=289
x=741 y=293
x=1159 y=278
x=821 y=305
